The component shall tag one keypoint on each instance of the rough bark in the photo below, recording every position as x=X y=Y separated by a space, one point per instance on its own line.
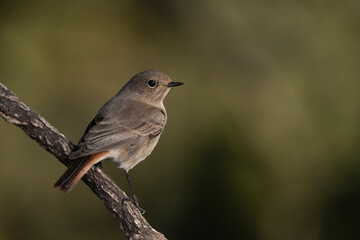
x=16 y=112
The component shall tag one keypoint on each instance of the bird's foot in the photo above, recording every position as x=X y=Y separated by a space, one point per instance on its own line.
x=135 y=201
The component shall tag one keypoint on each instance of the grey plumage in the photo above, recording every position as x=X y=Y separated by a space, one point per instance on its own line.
x=126 y=129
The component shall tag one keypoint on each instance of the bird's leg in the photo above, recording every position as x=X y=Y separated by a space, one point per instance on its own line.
x=134 y=198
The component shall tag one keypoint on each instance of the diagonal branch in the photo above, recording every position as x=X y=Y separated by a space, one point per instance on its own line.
x=16 y=112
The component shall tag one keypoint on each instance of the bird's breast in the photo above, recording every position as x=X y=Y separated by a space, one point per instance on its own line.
x=128 y=157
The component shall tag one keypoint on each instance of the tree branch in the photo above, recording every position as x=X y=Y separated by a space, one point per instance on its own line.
x=16 y=112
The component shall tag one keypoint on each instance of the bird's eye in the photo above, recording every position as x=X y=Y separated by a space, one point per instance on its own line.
x=151 y=83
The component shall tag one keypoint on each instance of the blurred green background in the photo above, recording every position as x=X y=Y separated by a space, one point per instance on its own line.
x=262 y=141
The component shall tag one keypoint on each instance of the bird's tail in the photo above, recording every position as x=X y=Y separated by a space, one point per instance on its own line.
x=76 y=171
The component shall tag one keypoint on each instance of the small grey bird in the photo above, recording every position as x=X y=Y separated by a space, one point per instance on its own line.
x=125 y=130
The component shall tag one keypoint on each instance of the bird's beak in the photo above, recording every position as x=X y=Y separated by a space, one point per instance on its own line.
x=174 y=84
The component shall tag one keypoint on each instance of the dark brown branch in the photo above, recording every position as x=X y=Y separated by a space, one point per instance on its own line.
x=132 y=223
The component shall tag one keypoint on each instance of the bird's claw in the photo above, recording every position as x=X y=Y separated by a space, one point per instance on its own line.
x=135 y=201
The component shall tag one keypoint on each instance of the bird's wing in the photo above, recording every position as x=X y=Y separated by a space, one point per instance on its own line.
x=104 y=134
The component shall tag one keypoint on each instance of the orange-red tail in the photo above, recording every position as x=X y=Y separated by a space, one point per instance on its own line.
x=76 y=171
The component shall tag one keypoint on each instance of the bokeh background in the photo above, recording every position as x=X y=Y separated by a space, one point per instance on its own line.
x=262 y=141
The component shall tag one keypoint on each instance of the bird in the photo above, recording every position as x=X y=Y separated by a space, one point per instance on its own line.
x=125 y=130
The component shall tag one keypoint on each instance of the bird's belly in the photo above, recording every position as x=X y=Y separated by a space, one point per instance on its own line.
x=126 y=158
